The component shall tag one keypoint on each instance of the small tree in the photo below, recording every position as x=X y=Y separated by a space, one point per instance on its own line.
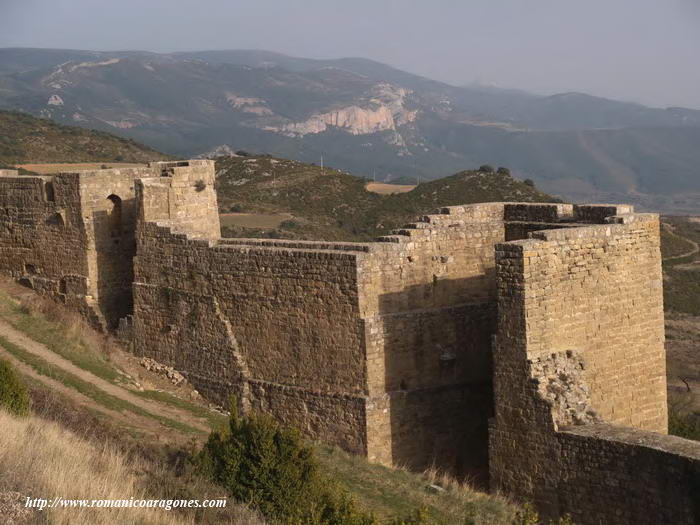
x=242 y=153
x=503 y=171
x=486 y=168
x=529 y=182
x=13 y=392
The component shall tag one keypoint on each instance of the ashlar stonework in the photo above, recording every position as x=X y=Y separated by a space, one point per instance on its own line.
x=520 y=344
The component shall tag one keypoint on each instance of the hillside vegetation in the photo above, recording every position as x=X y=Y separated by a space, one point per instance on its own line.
x=680 y=237
x=329 y=204
x=27 y=139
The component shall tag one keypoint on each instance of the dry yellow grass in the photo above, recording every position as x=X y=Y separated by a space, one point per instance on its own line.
x=387 y=189
x=58 y=168
x=39 y=459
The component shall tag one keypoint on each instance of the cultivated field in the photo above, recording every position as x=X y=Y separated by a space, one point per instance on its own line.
x=389 y=189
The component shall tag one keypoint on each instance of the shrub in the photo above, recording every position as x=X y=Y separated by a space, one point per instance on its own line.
x=236 y=208
x=270 y=468
x=289 y=225
x=503 y=171
x=200 y=185
x=242 y=153
x=682 y=421
x=486 y=168
x=13 y=392
x=529 y=516
x=529 y=182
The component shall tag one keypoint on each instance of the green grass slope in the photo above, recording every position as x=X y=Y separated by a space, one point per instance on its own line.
x=27 y=139
x=332 y=205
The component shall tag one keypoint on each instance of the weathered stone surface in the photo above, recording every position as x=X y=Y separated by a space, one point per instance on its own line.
x=385 y=348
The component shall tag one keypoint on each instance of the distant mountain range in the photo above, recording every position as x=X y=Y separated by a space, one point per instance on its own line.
x=365 y=117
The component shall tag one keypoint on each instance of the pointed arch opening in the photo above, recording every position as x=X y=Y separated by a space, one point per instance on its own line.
x=116 y=228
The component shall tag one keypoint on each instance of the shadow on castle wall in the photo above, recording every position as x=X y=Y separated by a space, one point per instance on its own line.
x=437 y=362
x=115 y=248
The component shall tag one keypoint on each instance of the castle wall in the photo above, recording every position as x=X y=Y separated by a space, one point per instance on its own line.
x=546 y=319
x=293 y=334
x=427 y=301
x=579 y=352
x=599 y=289
x=612 y=474
x=108 y=206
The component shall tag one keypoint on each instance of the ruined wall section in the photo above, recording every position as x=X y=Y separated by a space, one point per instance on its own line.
x=182 y=196
x=43 y=242
x=71 y=236
x=580 y=340
x=599 y=289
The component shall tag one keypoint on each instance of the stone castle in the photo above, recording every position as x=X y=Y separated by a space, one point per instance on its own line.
x=521 y=344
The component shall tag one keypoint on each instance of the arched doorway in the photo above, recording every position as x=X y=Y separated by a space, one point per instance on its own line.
x=115 y=247
x=116 y=228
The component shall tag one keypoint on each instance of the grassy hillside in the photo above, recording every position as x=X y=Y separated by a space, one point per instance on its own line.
x=316 y=203
x=27 y=139
x=679 y=248
x=72 y=467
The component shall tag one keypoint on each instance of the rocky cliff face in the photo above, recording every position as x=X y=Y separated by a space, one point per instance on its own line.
x=353 y=119
x=383 y=110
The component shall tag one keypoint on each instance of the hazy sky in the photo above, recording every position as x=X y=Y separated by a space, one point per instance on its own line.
x=641 y=50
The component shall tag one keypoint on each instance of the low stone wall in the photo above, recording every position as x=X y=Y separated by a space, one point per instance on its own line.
x=613 y=474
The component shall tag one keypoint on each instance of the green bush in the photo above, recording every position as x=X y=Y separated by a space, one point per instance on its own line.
x=529 y=516
x=486 y=168
x=13 y=392
x=289 y=225
x=529 y=182
x=270 y=468
x=236 y=208
x=681 y=421
x=503 y=171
